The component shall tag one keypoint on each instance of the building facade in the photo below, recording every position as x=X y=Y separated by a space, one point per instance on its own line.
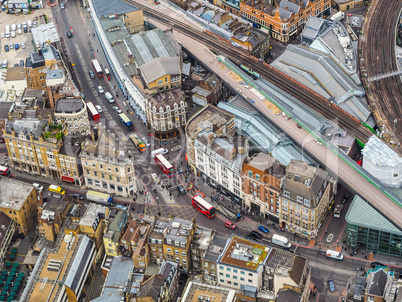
x=116 y=221
x=283 y=20
x=74 y=112
x=7 y=231
x=19 y=200
x=107 y=167
x=33 y=145
x=92 y=223
x=305 y=196
x=166 y=114
x=261 y=178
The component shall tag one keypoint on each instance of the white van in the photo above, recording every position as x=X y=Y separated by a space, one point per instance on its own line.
x=334 y=255
x=19 y=31
x=109 y=97
x=162 y=151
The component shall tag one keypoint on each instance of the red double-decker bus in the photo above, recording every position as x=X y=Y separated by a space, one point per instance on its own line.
x=93 y=112
x=97 y=68
x=203 y=206
x=163 y=163
x=5 y=171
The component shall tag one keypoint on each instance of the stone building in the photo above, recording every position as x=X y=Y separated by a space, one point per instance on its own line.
x=74 y=112
x=166 y=114
x=305 y=196
x=108 y=167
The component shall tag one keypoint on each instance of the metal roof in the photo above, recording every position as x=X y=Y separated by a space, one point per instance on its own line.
x=362 y=214
x=106 y=7
x=380 y=153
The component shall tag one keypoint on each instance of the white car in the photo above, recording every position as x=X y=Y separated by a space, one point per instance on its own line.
x=11 y=45
x=35 y=23
x=117 y=109
x=3 y=35
x=38 y=186
x=146 y=142
x=100 y=89
x=99 y=108
x=22 y=45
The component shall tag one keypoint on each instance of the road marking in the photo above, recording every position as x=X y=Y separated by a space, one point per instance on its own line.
x=330 y=237
x=175 y=148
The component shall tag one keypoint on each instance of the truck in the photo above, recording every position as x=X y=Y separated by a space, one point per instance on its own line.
x=57 y=189
x=338 y=211
x=334 y=255
x=138 y=143
x=99 y=197
x=126 y=121
x=281 y=240
x=338 y=16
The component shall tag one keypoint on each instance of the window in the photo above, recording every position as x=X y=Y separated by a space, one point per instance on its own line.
x=220 y=274
x=235 y=270
x=177 y=259
x=250 y=274
x=228 y=269
x=183 y=254
x=242 y=272
x=169 y=250
x=235 y=284
x=241 y=279
x=250 y=173
x=220 y=267
x=257 y=177
x=234 y=277
x=176 y=252
x=250 y=281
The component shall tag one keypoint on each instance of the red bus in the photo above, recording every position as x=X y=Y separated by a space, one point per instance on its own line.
x=97 y=68
x=93 y=112
x=165 y=166
x=203 y=206
x=5 y=171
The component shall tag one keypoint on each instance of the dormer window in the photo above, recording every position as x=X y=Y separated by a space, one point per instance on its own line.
x=167 y=108
x=160 y=109
x=175 y=105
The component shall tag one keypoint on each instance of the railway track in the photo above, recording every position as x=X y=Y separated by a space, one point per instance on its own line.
x=296 y=89
x=379 y=54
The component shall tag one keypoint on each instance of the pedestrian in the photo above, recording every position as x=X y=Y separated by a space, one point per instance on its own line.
x=326 y=231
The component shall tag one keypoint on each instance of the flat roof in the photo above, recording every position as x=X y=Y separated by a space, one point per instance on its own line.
x=14 y=193
x=91 y=214
x=362 y=214
x=105 y=8
x=240 y=252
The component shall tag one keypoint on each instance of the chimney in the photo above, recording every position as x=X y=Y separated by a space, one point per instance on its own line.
x=31 y=136
x=210 y=139
x=13 y=131
x=232 y=154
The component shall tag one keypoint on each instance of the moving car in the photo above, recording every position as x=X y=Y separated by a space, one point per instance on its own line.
x=117 y=109
x=69 y=34
x=181 y=190
x=263 y=229
x=331 y=285
x=91 y=74
x=37 y=186
x=345 y=198
x=78 y=196
x=255 y=235
x=230 y=225
x=99 y=108
x=100 y=89
x=62 y=6
x=146 y=142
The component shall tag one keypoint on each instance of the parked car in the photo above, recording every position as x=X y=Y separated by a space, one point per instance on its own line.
x=258 y=235
x=35 y=23
x=22 y=45
x=16 y=65
x=146 y=142
x=253 y=236
x=331 y=285
x=22 y=63
x=117 y=109
x=69 y=34
x=78 y=196
x=263 y=229
x=16 y=47
x=345 y=198
x=181 y=190
x=37 y=186
x=6 y=48
x=100 y=89
x=3 y=35
x=230 y=225
x=99 y=108
x=91 y=74
x=376 y=263
x=11 y=45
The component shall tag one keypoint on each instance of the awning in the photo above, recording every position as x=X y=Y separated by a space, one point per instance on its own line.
x=68 y=179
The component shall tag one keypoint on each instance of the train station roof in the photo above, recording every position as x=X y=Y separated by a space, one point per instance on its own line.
x=104 y=8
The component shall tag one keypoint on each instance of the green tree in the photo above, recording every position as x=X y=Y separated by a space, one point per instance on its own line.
x=59 y=126
x=47 y=135
x=59 y=135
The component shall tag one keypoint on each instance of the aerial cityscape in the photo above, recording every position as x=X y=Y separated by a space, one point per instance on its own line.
x=203 y=150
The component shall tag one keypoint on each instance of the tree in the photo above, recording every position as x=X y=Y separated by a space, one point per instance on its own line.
x=59 y=135
x=47 y=135
x=59 y=126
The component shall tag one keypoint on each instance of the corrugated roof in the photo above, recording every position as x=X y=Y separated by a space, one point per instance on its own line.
x=106 y=7
x=160 y=67
x=362 y=214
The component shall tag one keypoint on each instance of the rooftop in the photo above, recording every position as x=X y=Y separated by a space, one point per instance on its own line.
x=159 y=67
x=15 y=74
x=54 y=202
x=362 y=214
x=14 y=193
x=216 y=247
x=380 y=154
x=166 y=98
x=240 y=252
x=196 y=291
x=45 y=33
x=70 y=105
x=267 y=164
x=149 y=45
x=104 y=8
x=4 y=109
x=203 y=237
x=288 y=295
x=92 y=213
x=376 y=283
x=26 y=126
x=117 y=219
x=117 y=278
x=214 y=115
